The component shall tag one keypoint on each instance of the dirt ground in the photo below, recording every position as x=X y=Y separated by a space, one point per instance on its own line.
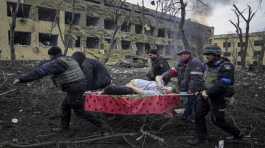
x=28 y=112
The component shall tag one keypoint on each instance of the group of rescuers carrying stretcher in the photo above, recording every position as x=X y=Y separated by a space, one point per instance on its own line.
x=210 y=83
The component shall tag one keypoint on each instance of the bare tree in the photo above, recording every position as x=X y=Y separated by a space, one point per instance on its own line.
x=66 y=37
x=247 y=19
x=69 y=37
x=173 y=7
x=14 y=12
x=119 y=18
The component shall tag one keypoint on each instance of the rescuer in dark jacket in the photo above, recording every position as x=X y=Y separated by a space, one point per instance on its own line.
x=68 y=76
x=190 y=74
x=96 y=74
x=219 y=82
x=158 y=65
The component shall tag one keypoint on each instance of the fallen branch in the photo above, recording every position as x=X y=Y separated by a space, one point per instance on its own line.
x=128 y=142
x=58 y=143
x=4 y=81
x=155 y=137
x=7 y=92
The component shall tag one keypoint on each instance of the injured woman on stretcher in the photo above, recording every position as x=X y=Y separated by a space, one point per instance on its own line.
x=140 y=86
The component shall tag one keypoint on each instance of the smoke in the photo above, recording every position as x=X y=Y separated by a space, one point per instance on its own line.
x=201 y=10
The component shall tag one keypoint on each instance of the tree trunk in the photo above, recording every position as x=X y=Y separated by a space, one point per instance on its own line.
x=12 y=32
x=262 y=52
x=182 y=23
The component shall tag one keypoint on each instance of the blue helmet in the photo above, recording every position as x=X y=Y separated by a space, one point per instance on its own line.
x=215 y=50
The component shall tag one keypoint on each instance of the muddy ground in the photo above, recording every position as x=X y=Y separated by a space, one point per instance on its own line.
x=36 y=106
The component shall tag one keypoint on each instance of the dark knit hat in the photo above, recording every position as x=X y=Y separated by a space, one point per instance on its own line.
x=183 y=51
x=153 y=51
x=55 y=50
x=79 y=57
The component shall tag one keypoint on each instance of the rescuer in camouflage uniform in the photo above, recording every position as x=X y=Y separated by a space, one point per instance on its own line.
x=219 y=82
x=158 y=65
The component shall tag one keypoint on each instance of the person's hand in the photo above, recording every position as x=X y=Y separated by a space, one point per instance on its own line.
x=190 y=92
x=129 y=85
x=16 y=81
x=204 y=94
x=159 y=81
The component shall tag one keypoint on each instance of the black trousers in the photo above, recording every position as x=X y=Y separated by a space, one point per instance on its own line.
x=217 y=117
x=118 y=90
x=75 y=101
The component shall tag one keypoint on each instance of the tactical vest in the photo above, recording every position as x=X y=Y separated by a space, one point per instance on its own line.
x=211 y=74
x=72 y=74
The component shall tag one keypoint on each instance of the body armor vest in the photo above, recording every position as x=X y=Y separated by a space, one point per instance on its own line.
x=72 y=74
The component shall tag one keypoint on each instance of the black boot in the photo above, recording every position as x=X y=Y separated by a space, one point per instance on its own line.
x=197 y=141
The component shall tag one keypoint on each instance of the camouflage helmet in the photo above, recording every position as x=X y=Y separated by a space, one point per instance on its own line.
x=182 y=51
x=212 y=49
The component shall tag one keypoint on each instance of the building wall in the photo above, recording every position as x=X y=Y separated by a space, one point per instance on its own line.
x=231 y=48
x=168 y=43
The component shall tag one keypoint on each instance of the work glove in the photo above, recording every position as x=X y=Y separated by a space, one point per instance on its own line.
x=204 y=94
x=16 y=81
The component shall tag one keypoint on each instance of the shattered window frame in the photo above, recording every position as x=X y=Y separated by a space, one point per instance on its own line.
x=48 y=39
x=125 y=44
x=46 y=14
x=69 y=20
x=94 y=40
x=161 y=32
x=109 y=24
x=23 y=10
x=92 y=20
x=25 y=40
x=138 y=28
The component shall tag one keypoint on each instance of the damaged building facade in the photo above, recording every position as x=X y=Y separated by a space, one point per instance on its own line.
x=91 y=24
x=230 y=45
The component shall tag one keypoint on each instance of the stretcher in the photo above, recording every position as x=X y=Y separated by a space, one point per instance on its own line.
x=131 y=104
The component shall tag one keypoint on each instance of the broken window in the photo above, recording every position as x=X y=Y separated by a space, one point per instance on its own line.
x=108 y=3
x=21 y=38
x=47 y=39
x=210 y=41
x=138 y=29
x=78 y=42
x=170 y=34
x=46 y=14
x=243 y=44
x=258 y=43
x=107 y=40
x=226 y=44
x=126 y=27
x=125 y=44
x=93 y=1
x=72 y=18
x=109 y=24
x=256 y=54
x=160 y=49
x=140 y=48
x=149 y=30
x=168 y=50
x=227 y=54
x=92 y=21
x=161 y=32
x=92 y=42
x=23 y=10
x=147 y=47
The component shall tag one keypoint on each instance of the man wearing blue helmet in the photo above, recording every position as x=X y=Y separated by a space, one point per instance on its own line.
x=219 y=80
